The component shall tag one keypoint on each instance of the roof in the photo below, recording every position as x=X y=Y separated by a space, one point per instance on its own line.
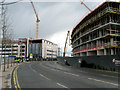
x=40 y=41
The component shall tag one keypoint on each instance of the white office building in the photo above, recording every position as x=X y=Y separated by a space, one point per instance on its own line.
x=44 y=49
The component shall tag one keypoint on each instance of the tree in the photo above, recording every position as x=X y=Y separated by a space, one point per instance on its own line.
x=6 y=35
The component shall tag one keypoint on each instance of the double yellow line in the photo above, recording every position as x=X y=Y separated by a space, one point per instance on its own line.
x=15 y=79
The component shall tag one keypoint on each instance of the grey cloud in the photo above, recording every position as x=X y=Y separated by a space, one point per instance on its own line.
x=54 y=17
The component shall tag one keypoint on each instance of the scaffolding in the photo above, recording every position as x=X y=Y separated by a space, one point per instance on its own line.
x=99 y=32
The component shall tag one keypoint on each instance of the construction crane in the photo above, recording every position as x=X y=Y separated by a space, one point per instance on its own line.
x=85 y=5
x=37 y=21
x=68 y=35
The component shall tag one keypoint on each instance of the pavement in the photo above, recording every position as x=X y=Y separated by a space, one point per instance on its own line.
x=5 y=77
x=49 y=74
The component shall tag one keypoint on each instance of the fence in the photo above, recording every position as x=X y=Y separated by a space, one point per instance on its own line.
x=100 y=62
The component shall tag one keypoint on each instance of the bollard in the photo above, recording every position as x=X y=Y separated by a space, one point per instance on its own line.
x=4 y=63
x=11 y=62
x=8 y=63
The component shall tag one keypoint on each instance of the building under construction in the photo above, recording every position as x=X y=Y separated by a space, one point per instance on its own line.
x=98 y=33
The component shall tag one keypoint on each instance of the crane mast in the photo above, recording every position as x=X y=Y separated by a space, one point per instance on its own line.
x=37 y=21
x=68 y=35
x=85 y=5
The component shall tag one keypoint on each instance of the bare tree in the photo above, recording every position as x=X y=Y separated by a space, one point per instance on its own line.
x=6 y=32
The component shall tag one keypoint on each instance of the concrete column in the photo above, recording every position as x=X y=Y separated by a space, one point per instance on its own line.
x=89 y=37
x=112 y=52
x=80 y=40
x=87 y=53
x=111 y=41
x=82 y=54
x=98 y=52
x=100 y=33
x=97 y=42
x=105 y=52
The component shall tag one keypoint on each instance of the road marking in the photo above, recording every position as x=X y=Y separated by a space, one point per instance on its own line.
x=44 y=77
x=103 y=81
x=32 y=69
x=64 y=72
x=107 y=71
x=45 y=67
x=15 y=78
x=49 y=68
x=55 y=70
x=72 y=74
x=39 y=74
x=109 y=76
x=61 y=85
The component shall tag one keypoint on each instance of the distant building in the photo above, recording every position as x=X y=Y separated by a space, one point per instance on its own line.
x=15 y=48
x=30 y=48
x=98 y=33
x=43 y=49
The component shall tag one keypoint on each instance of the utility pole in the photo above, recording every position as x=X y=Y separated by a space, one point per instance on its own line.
x=3 y=34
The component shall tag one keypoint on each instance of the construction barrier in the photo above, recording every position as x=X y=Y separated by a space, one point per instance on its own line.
x=104 y=62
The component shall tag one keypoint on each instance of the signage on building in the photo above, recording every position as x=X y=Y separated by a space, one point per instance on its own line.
x=116 y=61
x=12 y=56
x=31 y=55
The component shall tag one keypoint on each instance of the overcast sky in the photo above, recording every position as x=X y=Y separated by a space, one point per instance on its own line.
x=56 y=18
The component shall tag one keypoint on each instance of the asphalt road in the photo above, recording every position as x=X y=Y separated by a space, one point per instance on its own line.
x=49 y=74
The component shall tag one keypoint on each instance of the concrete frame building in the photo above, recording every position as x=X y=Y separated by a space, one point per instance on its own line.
x=98 y=33
x=14 y=48
x=43 y=49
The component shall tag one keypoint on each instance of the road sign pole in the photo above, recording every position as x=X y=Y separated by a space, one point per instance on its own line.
x=11 y=62
x=8 y=63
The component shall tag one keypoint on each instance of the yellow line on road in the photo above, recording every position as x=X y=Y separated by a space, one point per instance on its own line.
x=14 y=80
x=16 y=83
x=17 y=80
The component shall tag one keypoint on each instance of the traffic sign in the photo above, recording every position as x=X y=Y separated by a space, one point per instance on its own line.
x=12 y=56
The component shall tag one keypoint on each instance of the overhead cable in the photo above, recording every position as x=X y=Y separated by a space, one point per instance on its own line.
x=10 y=3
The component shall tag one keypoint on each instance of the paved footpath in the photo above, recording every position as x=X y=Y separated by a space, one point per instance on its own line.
x=5 y=77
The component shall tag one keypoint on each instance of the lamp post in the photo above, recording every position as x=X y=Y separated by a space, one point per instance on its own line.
x=3 y=33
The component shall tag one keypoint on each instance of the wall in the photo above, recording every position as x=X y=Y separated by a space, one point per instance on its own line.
x=100 y=62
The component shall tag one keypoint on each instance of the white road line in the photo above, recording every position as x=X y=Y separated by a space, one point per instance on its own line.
x=32 y=69
x=61 y=85
x=39 y=74
x=109 y=76
x=50 y=69
x=72 y=74
x=44 y=77
x=103 y=81
x=45 y=67
x=54 y=70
